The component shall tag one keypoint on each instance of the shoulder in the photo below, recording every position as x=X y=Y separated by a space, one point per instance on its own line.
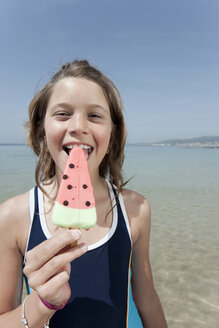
x=13 y=208
x=15 y=220
x=139 y=213
x=135 y=199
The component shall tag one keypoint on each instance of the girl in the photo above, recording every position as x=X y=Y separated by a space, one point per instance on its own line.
x=85 y=284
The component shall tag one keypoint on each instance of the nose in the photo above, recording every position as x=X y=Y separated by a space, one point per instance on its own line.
x=78 y=124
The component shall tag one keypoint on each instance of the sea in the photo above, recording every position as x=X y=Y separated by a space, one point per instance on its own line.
x=182 y=187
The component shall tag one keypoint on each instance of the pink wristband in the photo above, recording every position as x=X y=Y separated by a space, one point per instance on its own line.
x=52 y=307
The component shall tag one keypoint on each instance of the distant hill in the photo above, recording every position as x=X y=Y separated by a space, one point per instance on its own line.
x=204 y=142
x=205 y=139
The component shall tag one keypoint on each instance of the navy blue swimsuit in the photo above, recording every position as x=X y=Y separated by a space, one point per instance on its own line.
x=99 y=279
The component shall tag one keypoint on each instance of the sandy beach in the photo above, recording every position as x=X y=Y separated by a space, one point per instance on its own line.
x=182 y=186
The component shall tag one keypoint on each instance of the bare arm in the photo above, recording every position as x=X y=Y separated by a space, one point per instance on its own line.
x=46 y=268
x=144 y=294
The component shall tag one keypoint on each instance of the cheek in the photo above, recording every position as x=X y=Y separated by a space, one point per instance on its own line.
x=53 y=133
x=104 y=137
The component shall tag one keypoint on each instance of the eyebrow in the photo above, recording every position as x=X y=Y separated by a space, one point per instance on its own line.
x=98 y=106
x=68 y=106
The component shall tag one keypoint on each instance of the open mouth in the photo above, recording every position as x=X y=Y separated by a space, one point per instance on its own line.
x=87 y=149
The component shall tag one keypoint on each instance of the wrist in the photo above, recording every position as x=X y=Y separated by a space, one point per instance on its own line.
x=52 y=306
x=30 y=318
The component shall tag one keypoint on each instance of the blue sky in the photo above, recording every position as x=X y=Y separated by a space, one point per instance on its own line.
x=162 y=54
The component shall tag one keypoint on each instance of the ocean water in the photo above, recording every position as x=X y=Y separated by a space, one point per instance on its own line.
x=182 y=186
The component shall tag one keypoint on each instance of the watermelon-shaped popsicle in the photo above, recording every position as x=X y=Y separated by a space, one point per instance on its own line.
x=75 y=203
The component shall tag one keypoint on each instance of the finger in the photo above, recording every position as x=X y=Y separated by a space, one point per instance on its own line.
x=43 y=252
x=56 y=291
x=55 y=265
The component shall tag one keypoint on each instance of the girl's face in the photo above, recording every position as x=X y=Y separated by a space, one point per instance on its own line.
x=78 y=114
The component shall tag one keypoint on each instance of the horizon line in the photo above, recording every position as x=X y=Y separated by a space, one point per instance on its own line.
x=128 y=142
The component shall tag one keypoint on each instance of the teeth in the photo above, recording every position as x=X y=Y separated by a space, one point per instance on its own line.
x=85 y=147
x=81 y=146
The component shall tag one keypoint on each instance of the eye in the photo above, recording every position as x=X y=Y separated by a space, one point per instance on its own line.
x=62 y=115
x=95 y=116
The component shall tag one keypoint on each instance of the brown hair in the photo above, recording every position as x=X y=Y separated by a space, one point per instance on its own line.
x=111 y=165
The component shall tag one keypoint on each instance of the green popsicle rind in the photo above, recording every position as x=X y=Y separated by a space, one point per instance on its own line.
x=74 y=218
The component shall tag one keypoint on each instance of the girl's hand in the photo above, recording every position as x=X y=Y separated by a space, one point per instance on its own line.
x=48 y=266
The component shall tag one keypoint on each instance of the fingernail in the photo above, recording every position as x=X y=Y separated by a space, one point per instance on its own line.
x=76 y=234
x=83 y=247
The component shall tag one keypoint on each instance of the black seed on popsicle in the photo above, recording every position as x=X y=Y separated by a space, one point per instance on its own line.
x=69 y=187
x=65 y=203
x=84 y=186
x=87 y=203
x=65 y=177
x=71 y=165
